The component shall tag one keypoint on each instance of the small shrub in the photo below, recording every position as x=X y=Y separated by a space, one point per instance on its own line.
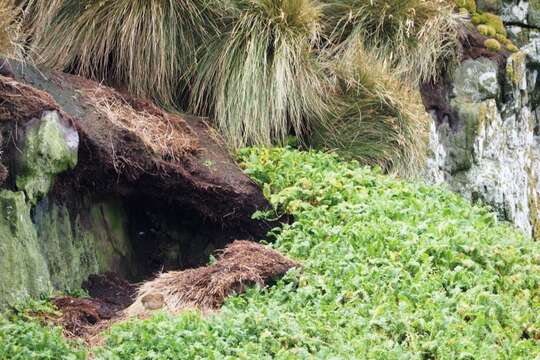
x=490 y=20
x=487 y=30
x=469 y=5
x=23 y=336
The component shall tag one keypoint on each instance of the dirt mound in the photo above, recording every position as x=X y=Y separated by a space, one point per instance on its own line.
x=86 y=318
x=131 y=148
x=111 y=289
x=241 y=264
x=80 y=316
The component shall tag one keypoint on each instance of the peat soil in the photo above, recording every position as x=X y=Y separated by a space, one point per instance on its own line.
x=87 y=318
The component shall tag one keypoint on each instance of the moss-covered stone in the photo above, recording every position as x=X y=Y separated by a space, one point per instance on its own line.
x=92 y=240
x=49 y=148
x=476 y=80
x=23 y=268
x=533 y=15
x=516 y=68
x=56 y=250
x=493 y=6
x=492 y=44
x=108 y=223
x=68 y=249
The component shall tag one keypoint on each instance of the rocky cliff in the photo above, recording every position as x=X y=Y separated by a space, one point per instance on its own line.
x=93 y=180
x=485 y=140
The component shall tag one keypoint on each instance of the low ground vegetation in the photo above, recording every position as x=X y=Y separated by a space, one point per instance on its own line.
x=391 y=269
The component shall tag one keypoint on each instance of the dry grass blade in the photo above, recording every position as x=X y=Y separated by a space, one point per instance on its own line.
x=242 y=264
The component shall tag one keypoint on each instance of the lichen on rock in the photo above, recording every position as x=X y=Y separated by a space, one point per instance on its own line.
x=23 y=268
x=489 y=152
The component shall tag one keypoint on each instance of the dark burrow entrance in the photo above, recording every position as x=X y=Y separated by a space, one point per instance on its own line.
x=161 y=236
x=165 y=237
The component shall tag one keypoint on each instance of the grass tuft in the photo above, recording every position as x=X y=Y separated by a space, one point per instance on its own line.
x=379 y=119
x=420 y=38
x=147 y=46
x=261 y=79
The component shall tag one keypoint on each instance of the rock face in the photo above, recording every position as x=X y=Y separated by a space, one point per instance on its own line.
x=486 y=143
x=94 y=180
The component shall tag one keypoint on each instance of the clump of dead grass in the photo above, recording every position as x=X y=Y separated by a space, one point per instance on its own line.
x=241 y=264
x=10 y=29
x=165 y=135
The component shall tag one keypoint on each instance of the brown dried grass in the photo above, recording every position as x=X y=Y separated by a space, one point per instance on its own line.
x=240 y=265
x=10 y=29
x=165 y=135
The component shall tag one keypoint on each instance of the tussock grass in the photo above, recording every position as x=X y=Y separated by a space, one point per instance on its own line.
x=379 y=119
x=263 y=69
x=147 y=46
x=261 y=78
x=419 y=38
x=10 y=29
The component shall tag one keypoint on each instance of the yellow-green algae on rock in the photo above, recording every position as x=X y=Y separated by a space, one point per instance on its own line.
x=49 y=148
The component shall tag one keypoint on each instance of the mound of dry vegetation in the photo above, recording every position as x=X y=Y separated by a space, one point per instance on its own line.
x=242 y=264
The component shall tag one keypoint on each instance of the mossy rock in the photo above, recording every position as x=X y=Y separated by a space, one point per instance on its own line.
x=49 y=148
x=533 y=16
x=493 y=45
x=23 y=269
x=491 y=20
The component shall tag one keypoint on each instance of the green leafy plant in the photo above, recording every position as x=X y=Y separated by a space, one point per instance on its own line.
x=24 y=334
x=391 y=270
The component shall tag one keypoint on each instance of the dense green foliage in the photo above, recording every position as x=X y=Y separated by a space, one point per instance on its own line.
x=22 y=337
x=391 y=270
